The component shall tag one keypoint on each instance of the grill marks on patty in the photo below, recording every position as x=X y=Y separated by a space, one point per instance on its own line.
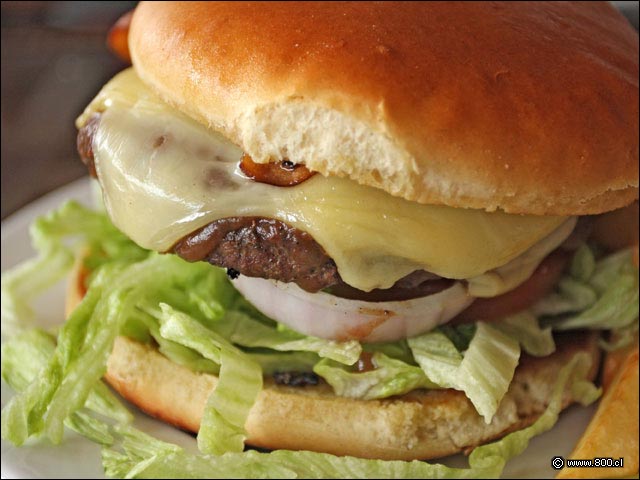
x=262 y=247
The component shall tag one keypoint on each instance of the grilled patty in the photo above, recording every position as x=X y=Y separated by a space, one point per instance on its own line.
x=262 y=247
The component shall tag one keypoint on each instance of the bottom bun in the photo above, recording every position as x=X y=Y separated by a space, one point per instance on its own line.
x=419 y=425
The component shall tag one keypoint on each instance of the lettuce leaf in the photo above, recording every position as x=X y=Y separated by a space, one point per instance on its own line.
x=272 y=362
x=583 y=263
x=399 y=350
x=248 y=332
x=525 y=328
x=608 y=268
x=143 y=456
x=390 y=377
x=597 y=295
x=27 y=355
x=239 y=383
x=600 y=295
x=63 y=385
x=483 y=374
x=50 y=236
x=571 y=296
x=573 y=375
x=174 y=351
x=280 y=464
x=146 y=457
x=86 y=339
x=616 y=308
x=460 y=335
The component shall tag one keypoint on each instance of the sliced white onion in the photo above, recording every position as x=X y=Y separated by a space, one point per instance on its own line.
x=327 y=316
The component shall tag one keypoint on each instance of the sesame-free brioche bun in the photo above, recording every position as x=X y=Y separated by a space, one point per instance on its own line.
x=419 y=425
x=528 y=107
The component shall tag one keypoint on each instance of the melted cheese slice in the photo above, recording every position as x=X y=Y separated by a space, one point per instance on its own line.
x=165 y=175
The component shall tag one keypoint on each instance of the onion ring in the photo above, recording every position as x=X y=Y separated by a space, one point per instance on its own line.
x=327 y=316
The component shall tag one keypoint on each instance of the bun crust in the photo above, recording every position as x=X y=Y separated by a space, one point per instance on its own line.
x=526 y=107
x=419 y=425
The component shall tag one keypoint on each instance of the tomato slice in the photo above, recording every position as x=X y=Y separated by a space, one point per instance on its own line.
x=541 y=282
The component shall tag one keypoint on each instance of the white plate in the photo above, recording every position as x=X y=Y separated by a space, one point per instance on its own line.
x=77 y=457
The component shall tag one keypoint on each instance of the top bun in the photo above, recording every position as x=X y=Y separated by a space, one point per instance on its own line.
x=526 y=107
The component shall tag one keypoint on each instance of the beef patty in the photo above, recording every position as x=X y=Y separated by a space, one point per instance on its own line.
x=262 y=247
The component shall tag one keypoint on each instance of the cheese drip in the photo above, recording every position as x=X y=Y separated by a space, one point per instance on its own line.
x=165 y=175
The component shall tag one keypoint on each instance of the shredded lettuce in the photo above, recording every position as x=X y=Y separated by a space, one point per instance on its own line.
x=42 y=407
x=525 y=328
x=27 y=355
x=175 y=351
x=599 y=294
x=460 y=335
x=572 y=375
x=24 y=357
x=389 y=377
x=90 y=427
x=272 y=362
x=483 y=373
x=248 y=332
x=616 y=308
x=279 y=464
x=399 y=350
x=86 y=339
x=571 y=296
x=583 y=263
x=51 y=235
x=608 y=268
x=239 y=383
x=595 y=294
x=143 y=456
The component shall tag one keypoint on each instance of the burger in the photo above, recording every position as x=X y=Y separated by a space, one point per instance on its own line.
x=407 y=224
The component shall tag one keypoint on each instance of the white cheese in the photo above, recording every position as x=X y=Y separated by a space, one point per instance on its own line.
x=165 y=175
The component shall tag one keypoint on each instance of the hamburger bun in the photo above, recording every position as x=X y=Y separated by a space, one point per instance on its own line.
x=419 y=425
x=529 y=108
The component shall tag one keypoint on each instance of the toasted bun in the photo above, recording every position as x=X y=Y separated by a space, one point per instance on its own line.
x=419 y=425
x=527 y=107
